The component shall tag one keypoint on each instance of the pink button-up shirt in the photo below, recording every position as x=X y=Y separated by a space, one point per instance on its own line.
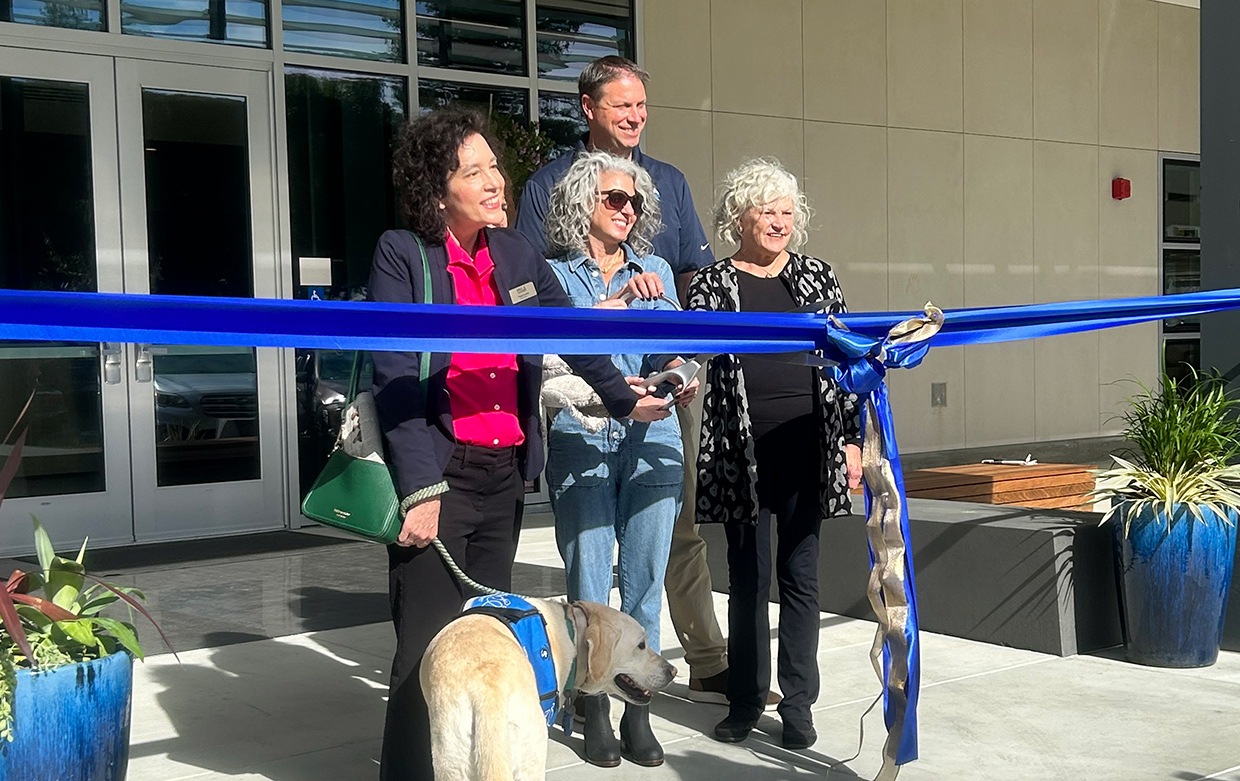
x=482 y=387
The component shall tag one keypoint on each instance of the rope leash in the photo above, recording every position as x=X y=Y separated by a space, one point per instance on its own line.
x=464 y=579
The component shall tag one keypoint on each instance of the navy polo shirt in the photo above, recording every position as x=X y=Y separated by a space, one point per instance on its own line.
x=682 y=242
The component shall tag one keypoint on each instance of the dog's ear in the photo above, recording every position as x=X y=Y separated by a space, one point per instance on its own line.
x=601 y=639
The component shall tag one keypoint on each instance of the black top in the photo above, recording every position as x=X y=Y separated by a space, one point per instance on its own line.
x=418 y=428
x=777 y=391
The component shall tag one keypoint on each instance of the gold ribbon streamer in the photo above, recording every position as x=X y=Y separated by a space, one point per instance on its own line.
x=888 y=584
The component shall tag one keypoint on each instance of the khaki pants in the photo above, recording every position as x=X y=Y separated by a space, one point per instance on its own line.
x=687 y=582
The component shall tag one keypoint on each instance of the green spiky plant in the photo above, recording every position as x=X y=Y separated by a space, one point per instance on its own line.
x=54 y=617
x=1187 y=435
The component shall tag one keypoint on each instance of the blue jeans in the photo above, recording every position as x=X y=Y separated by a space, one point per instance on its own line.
x=629 y=494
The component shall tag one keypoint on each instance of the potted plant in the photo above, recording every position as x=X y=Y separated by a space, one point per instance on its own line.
x=1174 y=512
x=66 y=676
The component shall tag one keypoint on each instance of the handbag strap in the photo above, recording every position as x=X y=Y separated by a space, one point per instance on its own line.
x=424 y=368
x=428 y=297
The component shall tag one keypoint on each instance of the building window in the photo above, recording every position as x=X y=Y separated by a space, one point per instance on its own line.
x=74 y=14
x=341 y=132
x=488 y=100
x=1181 y=262
x=476 y=35
x=240 y=22
x=571 y=33
x=365 y=29
x=560 y=117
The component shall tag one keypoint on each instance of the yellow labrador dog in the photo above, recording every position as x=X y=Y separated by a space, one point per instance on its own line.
x=487 y=723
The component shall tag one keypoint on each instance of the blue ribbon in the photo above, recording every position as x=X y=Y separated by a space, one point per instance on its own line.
x=861 y=351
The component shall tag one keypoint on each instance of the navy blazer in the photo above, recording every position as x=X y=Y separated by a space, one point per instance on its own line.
x=418 y=429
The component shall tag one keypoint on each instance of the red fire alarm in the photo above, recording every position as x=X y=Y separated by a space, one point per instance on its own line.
x=1121 y=188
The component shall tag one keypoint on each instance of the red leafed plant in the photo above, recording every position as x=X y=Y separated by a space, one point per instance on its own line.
x=53 y=617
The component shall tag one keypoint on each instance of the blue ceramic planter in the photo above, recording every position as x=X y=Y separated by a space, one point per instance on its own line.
x=72 y=723
x=1173 y=585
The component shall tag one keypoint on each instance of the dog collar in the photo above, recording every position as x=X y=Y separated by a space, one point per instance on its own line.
x=530 y=630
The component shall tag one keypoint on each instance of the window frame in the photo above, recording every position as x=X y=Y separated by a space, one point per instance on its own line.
x=1165 y=337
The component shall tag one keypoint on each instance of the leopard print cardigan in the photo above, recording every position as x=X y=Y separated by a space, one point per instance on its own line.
x=727 y=474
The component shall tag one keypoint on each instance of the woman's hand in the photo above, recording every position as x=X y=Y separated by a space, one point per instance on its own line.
x=852 y=460
x=649 y=409
x=689 y=393
x=421 y=524
x=647 y=286
x=611 y=303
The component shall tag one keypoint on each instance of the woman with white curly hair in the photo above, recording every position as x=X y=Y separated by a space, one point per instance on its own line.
x=613 y=480
x=778 y=439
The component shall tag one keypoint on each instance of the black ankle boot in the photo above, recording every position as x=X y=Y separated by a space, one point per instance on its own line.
x=637 y=742
x=602 y=748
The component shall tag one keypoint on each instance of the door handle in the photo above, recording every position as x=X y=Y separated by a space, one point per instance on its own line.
x=112 y=363
x=142 y=366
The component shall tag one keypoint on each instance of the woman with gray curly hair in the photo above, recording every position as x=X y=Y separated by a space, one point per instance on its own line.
x=614 y=481
x=777 y=439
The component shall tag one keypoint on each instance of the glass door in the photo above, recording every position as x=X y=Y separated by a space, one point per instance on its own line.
x=198 y=218
x=60 y=230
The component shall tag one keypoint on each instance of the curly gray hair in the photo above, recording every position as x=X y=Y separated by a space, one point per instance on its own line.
x=573 y=199
x=754 y=184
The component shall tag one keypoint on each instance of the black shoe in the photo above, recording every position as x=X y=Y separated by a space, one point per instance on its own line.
x=637 y=743
x=799 y=735
x=735 y=728
x=602 y=748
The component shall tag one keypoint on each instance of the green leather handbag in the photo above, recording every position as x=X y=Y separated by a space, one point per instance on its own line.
x=356 y=491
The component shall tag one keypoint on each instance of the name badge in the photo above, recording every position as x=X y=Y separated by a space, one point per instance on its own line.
x=522 y=292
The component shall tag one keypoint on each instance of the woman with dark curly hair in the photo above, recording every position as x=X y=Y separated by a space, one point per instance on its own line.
x=464 y=435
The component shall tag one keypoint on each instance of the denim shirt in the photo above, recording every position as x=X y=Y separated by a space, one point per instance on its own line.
x=582 y=280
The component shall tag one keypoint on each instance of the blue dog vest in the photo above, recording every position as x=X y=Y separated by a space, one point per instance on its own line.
x=530 y=630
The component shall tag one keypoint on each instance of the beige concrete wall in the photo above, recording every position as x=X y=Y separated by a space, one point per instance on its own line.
x=957 y=151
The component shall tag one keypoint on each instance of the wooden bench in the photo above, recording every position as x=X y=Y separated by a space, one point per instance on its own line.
x=1047 y=486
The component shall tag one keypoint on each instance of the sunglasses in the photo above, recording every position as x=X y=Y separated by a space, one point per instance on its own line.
x=616 y=199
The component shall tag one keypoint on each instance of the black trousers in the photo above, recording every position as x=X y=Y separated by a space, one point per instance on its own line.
x=788 y=478
x=479 y=522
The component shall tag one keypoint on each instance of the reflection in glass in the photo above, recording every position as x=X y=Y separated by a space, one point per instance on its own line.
x=1182 y=200
x=573 y=32
x=206 y=414
x=322 y=384
x=74 y=14
x=240 y=22
x=488 y=100
x=47 y=242
x=1182 y=274
x=199 y=244
x=366 y=29
x=560 y=117
x=64 y=440
x=476 y=35
x=1180 y=358
x=341 y=131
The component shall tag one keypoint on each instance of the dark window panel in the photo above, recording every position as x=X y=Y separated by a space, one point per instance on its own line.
x=364 y=29
x=73 y=14
x=1181 y=357
x=1182 y=200
x=47 y=242
x=341 y=132
x=571 y=33
x=238 y=22
x=476 y=35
